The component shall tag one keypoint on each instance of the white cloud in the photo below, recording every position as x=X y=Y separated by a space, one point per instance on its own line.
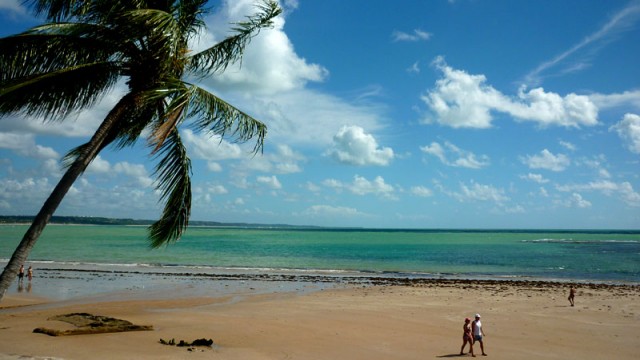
x=462 y=158
x=327 y=210
x=211 y=147
x=414 y=68
x=271 y=182
x=99 y=166
x=269 y=64
x=312 y=187
x=82 y=124
x=214 y=166
x=421 y=191
x=362 y=186
x=14 y=6
x=547 y=160
x=351 y=145
x=283 y=160
x=269 y=85
x=25 y=145
x=309 y=117
x=136 y=171
x=624 y=190
x=416 y=35
x=480 y=192
x=567 y=145
x=24 y=196
x=535 y=178
x=579 y=201
x=604 y=101
x=461 y=100
x=575 y=200
x=629 y=130
x=621 y=21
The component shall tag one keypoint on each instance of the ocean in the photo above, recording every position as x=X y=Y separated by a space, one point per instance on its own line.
x=583 y=256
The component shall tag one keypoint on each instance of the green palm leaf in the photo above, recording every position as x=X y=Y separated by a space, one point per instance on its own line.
x=173 y=172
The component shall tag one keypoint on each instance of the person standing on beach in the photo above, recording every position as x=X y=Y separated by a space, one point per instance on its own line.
x=30 y=273
x=572 y=294
x=478 y=334
x=467 y=337
x=21 y=274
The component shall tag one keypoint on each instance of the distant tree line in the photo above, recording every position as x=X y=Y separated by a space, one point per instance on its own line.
x=91 y=220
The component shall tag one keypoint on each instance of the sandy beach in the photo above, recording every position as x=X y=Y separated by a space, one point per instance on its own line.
x=397 y=320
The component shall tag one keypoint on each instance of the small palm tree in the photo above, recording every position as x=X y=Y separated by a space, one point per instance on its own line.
x=85 y=48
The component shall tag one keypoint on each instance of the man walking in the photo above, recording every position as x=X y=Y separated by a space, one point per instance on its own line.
x=478 y=334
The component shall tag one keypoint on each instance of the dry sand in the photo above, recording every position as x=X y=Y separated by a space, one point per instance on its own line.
x=402 y=321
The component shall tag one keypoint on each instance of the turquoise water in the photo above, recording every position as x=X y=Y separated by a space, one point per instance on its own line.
x=583 y=256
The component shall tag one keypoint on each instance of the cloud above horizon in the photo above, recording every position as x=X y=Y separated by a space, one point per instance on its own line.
x=462 y=100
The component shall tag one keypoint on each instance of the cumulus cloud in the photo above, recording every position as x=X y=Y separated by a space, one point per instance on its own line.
x=99 y=166
x=14 y=6
x=421 y=191
x=362 y=186
x=271 y=182
x=547 y=160
x=24 y=196
x=351 y=145
x=462 y=100
x=480 y=192
x=269 y=84
x=211 y=147
x=535 y=178
x=416 y=35
x=625 y=190
x=461 y=158
x=327 y=210
x=629 y=130
x=284 y=160
x=604 y=101
x=25 y=145
x=575 y=200
x=80 y=124
x=281 y=70
x=137 y=172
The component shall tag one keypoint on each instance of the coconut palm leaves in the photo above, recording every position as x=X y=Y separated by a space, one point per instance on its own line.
x=88 y=47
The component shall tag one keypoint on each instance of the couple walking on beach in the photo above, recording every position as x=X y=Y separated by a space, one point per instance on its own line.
x=472 y=332
x=21 y=273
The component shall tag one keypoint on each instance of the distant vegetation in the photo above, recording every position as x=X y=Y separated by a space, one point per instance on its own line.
x=89 y=220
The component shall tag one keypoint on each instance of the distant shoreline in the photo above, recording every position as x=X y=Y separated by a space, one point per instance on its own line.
x=89 y=220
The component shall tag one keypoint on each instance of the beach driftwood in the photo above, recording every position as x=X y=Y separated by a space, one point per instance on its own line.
x=91 y=324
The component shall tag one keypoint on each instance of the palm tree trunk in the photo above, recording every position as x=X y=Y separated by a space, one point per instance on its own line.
x=76 y=169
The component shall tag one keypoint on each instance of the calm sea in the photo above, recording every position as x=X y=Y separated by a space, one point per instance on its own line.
x=599 y=256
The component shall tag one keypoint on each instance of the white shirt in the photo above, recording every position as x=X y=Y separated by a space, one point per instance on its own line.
x=477 y=330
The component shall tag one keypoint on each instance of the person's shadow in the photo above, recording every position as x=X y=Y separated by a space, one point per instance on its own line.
x=452 y=355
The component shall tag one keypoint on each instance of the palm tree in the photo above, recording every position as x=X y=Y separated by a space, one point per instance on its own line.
x=86 y=47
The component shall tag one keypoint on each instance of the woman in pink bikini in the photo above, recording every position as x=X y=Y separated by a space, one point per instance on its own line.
x=467 y=337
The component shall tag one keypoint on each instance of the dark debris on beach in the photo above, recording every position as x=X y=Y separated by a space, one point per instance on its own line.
x=376 y=280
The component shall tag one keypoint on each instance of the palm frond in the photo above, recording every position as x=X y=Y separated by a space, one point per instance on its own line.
x=221 y=118
x=57 y=10
x=36 y=52
x=189 y=16
x=174 y=182
x=55 y=95
x=229 y=51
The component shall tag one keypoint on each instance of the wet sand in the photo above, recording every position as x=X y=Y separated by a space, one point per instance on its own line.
x=363 y=319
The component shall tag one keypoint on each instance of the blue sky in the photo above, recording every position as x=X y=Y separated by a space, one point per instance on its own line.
x=420 y=114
